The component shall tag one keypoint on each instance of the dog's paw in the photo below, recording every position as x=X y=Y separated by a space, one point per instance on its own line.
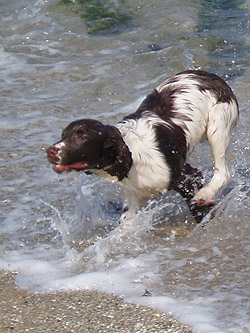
x=123 y=217
x=203 y=202
x=126 y=214
x=204 y=197
x=199 y=210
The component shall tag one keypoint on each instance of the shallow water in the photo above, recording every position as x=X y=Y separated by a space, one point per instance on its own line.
x=62 y=232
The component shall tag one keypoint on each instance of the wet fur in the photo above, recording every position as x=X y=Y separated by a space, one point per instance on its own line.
x=146 y=153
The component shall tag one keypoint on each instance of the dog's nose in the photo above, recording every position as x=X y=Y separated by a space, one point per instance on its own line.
x=52 y=154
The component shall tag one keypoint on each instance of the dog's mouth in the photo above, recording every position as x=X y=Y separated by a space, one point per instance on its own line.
x=67 y=168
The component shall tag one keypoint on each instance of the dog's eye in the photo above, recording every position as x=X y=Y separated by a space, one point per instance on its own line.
x=80 y=135
x=63 y=136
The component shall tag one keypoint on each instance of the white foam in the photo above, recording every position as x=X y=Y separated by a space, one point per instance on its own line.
x=127 y=263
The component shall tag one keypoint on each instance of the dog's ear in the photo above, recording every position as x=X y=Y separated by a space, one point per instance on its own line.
x=117 y=151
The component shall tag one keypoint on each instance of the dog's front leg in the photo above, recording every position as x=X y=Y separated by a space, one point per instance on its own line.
x=132 y=204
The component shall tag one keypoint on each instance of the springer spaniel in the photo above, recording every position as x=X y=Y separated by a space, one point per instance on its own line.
x=146 y=152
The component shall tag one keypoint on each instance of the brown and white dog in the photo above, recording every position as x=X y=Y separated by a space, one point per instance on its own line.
x=146 y=152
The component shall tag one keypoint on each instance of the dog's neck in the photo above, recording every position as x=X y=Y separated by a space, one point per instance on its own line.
x=119 y=153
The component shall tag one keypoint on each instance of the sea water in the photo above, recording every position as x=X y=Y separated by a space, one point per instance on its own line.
x=62 y=232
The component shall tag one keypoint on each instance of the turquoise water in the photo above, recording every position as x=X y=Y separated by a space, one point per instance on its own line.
x=62 y=232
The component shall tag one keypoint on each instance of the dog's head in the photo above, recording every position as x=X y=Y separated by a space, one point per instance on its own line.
x=88 y=144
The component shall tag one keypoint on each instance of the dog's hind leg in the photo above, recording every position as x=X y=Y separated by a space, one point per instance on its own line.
x=189 y=182
x=222 y=119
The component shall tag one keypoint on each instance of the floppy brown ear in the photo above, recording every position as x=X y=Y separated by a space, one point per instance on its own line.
x=118 y=152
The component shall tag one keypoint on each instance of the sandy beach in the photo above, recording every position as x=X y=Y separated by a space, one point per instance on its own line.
x=77 y=311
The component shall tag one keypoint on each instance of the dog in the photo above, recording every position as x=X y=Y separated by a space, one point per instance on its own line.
x=146 y=152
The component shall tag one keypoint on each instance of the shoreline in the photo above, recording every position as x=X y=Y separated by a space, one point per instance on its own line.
x=76 y=311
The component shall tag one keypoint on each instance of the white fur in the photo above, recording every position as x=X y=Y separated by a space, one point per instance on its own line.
x=208 y=120
x=211 y=120
x=196 y=106
x=59 y=146
x=149 y=173
x=221 y=121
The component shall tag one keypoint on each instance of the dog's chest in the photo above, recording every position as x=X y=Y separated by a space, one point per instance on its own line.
x=148 y=179
x=149 y=171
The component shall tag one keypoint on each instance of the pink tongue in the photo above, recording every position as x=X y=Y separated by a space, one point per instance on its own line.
x=67 y=168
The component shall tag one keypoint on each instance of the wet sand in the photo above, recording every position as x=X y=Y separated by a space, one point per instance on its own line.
x=76 y=311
